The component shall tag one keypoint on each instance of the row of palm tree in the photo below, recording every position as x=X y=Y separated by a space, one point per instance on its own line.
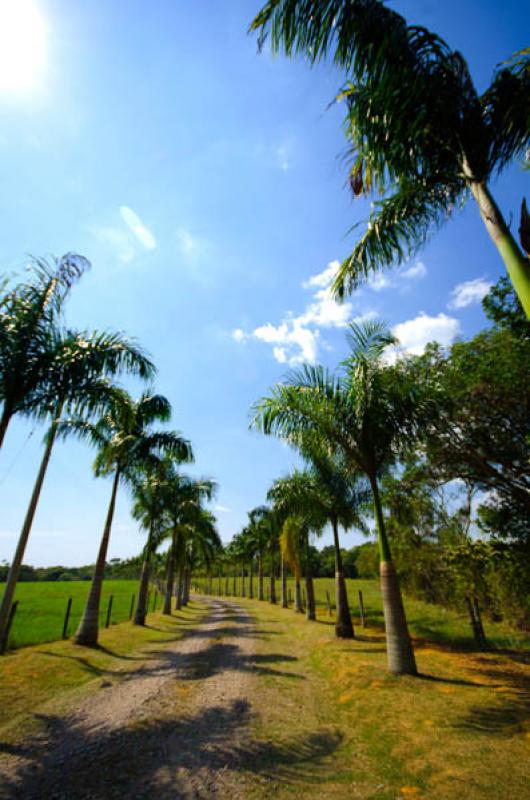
x=349 y=429
x=50 y=373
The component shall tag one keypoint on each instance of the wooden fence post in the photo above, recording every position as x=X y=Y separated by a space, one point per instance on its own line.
x=132 y=606
x=3 y=643
x=361 y=609
x=66 y=618
x=109 y=611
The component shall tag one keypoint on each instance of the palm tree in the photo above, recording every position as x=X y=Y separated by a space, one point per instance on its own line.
x=183 y=498
x=148 y=508
x=202 y=546
x=125 y=443
x=419 y=132
x=77 y=366
x=30 y=314
x=258 y=536
x=365 y=416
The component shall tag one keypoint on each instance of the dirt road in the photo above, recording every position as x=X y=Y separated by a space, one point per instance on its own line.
x=177 y=727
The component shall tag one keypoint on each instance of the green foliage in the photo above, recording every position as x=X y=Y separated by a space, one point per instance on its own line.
x=419 y=133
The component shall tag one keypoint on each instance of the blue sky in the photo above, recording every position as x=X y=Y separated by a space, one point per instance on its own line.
x=205 y=184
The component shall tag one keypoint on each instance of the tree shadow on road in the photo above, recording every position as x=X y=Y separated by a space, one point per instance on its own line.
x=164 y=758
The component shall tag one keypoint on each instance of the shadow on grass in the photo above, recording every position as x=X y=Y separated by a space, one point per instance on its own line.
x=163 y=758
x=510 y=714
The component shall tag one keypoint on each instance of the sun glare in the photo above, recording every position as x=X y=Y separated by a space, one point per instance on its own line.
x=22 y=45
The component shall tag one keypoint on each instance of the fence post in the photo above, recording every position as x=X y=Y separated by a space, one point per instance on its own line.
x=132 y=606
x=3 y=643
x=67 y=618
x=361 y=609
x=109 y=611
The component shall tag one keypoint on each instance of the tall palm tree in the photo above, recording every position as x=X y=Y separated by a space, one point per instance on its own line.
x=30 y=313
x=183 y=498
x=297 y=500
x=364 y=415
x=419 y=132
x=149 y=509
x=125 y=443
x=258 y=536
x=77 y=368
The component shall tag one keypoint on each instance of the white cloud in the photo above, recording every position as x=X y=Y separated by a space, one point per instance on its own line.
x=282 y=156
x=222 y=509
x=137 y=227
x=468 y=293
x=239 y=335
x=296 y=339
x=418 y=270
x=415 y=333
x=383 y=280
x=190 y=245
x=324 y=278
x=119 y=241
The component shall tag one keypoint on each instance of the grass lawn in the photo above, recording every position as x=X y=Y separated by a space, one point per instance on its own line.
x=427 y=621
x=44 y=677
x=42 y=605
x=460 y=730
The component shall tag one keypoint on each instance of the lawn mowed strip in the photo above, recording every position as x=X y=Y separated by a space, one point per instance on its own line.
x=461 y=729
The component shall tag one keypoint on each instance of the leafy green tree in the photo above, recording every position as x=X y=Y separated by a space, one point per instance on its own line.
x=419 y=132
x=365 y=416
x=125 y=443
x=77 y=368
x=481 y=429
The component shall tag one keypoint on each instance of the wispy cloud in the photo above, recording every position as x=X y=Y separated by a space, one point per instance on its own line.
x=469 y=293
x=282 y=156
x=191 y=245
x=137 y=227
x=296 y=339
x=117 y=240
x=399 y=278
x=222 y=509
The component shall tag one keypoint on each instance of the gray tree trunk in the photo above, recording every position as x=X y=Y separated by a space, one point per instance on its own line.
x=170 y=575
x=343 y=623
x=87 y=632
x=260 y=578
x=298 y=597
x=285 y=603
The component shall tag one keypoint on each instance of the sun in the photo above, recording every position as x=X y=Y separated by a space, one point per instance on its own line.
x=23 y=35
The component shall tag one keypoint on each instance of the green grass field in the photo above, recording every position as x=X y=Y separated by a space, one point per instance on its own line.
x=40 y=613
x=42 y=605
x=427 y=621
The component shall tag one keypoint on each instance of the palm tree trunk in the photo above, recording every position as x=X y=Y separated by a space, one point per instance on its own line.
x=187 y=586
x=343 y=623
x=298 y=596
x=87 y=632
x=170 y=575
x=12 y=578
x=310 y=609
x=234 y=584
x=517 y=265
x=273 y=582
x=250 y=581
x=180 y=585
x=400 y=654
x=243 y=586
x=227 y=585
x=285 y=603
x=5 y=419
x=141 y=606
x=260 y=577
